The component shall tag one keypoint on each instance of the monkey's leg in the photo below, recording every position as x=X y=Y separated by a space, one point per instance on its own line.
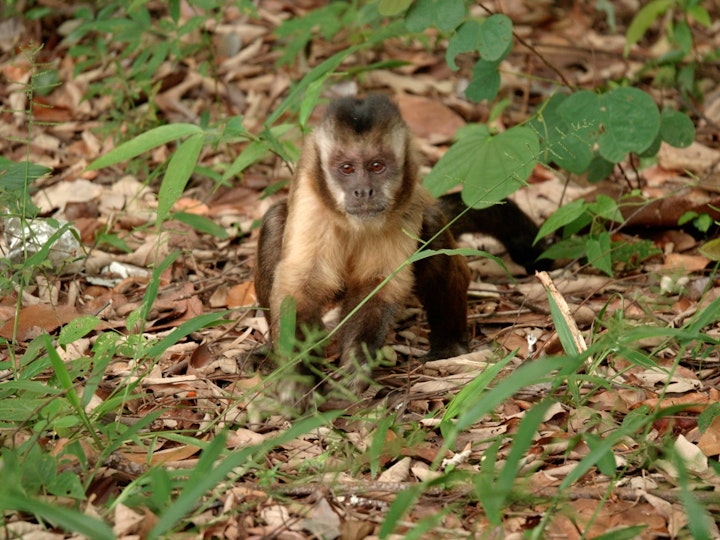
x=441 y=284
x=363 y=335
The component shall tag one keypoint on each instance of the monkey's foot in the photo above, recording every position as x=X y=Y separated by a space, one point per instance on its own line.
x=445 y=351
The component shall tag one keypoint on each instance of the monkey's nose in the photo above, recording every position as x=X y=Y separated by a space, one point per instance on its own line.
x=366 y=193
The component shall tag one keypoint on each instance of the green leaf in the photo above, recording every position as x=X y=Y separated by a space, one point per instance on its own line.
x=485 y=82
x=206 y=477
x=449 y=14
x=711 y=249
x=67 y=484
x=174 y=9
x=630 y=120
x=201 y=224
x=565 y=334
x=526 y=375
x=599 y=252
x=606 y=208
x=599 y=169
x=581 y=109
x=676 y=128
x=706 y=418
x=377 y=445
x=77 y=328
x=647 y=15
x=562 y=216
x=455 y=166
x=144 y=142
x=446 y=15
x=623 y=120
x=683 y=36
x=700 y=14
x=495 y=38
x=420 y=16
x=205 y=320
x=153 y=286
x=567 y=143
x=252 y=153
x=390 y=8
x=623 y=533
x=399 y=507
x=310 y=100
x=472 y=392
x=66 y=518
x=15 y=176
x=180 y=168
x=507 y=161
x=465 y=39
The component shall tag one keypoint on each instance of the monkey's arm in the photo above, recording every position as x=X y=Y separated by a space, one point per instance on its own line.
x=504 y=221
x=269 y=250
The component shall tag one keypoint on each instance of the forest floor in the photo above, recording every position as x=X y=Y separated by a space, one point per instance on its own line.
x=343 y=478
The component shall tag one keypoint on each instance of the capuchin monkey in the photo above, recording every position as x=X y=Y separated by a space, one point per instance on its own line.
x=355 y=212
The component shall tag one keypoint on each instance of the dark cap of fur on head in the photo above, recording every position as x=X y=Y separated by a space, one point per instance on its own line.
x=362 y=115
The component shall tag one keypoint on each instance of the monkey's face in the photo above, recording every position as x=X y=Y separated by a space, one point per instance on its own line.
x=363 y=181
x=363 y=176
x=362 y=146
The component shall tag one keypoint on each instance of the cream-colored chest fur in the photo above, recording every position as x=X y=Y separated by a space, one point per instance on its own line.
x=324 y=255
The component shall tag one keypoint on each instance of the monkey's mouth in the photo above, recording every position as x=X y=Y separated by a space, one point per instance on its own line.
x=365 y=211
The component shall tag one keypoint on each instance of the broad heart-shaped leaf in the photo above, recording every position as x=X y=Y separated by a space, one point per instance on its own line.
x=181 y=166
x=676 y=128
x=501 y=166
x=623 y=120
x=630 y=121
x=485 y=82
x=489 y=167
x=420 y=15
x=446 y=15
x=449 y=14
x=455 y=165
x=568 y=145
x=599 y=169
x=495 y=38
x=144 y=142
x=465 y=39
x=581 y=110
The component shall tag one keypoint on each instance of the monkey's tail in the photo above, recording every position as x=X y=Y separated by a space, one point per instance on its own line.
x=504 y=221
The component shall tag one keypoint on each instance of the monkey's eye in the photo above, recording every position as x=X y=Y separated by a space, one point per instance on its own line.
x=347 y=168
x=376 y=166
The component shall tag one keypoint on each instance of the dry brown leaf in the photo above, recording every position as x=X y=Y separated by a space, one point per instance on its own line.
x=429 y=118
x=687 y=264
x=397 y=473
x=38 y=318
x=709 y=441
x=695 y=158
x=322 y=521
x=241 y=295
x=191 y=206
x=127 y=521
